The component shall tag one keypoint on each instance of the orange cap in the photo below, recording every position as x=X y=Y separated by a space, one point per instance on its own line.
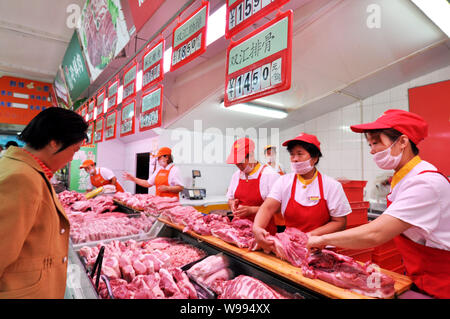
x=164 y=151
x=86 y=163
x=240 y=149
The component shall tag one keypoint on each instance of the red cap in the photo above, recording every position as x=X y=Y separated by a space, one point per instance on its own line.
x=240 y=149
x=308 y=138
x=410 y=124
x=86 y=163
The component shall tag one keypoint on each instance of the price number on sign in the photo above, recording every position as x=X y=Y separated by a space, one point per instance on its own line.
x=109 y=132
x=151 y=75
x=187 y=49
x=126 y=127
x=149 y=119
x=129 y=90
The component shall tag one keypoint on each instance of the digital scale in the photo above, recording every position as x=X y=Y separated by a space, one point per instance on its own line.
x=193 y=192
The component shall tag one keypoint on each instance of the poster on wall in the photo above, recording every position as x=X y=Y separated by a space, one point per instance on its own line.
x=129 y=82
x=152 y=65
x=98 y=130
x=143 y=10
x=259 y=64
x=243 y=13
x=189 y=37
x=151 y=109
x=90 y=109
x=110 y=125
x=127 y=118
x=79 y=179
x=103 y=33
x=75 y=70
x=113 y=88
x=100 y=101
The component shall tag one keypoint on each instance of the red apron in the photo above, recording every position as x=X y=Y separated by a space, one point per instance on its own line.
x=306 y=218
x=428 y=267
x=97 y=180
x=249 y=194
x=162 y=178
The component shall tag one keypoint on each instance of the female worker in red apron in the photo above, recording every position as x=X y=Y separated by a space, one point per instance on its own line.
x=100 y=176
x=166 y=178
x=250 y=185
x=309 y=201
x=417 y=207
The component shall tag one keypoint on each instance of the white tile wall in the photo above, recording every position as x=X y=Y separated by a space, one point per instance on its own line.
x=343 y=153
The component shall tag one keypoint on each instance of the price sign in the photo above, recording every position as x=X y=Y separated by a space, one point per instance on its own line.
x=110 y=125
x=260 y=63
x=127 y=118
x=243 y=13
x=90 y=134
x=113 y=88
x=83 y=111
x=90 y=110
x=98 y=130
x=100 y=101
x=151 y=107
x=189 y=37
x=129 y=82
x=152 y=65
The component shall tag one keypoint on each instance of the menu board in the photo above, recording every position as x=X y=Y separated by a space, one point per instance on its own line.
x=129 y=82
x=260 y=63
x=110 y=125
x=113 y=88
x=90 y=110
x=189 y=37
x=153 y=65
x=243 y=13
x=100 y=101
x=98 y=130
x=151 y=109
x=127 y=118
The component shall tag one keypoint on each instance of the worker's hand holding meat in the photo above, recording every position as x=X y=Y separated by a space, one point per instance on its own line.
x=245 y=211
x=315 y=242
x=261 y=239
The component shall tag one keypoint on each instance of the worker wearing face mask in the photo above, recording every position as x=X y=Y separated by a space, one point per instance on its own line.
x=100 y=176
x=250 y=184
x=166 y=178
x=418 y=212
x=310 y=201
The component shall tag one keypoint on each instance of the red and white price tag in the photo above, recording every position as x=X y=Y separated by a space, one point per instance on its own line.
x=153 y=65
x=127 y=118
x=110 y=125
x=151 y=109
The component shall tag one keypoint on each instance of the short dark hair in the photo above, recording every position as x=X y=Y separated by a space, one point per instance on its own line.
x=11 y=143
x=313 y=151
x=393 y=135
x=55 y=124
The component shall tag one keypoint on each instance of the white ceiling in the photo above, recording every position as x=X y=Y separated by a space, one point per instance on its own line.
x=333 y=49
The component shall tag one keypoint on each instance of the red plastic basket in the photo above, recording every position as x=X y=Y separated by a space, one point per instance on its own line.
x=358 y=216
x=354 y=190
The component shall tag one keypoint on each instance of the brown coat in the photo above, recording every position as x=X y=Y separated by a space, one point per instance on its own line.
x=34 y=231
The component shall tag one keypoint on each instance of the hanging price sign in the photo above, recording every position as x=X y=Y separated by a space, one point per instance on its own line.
x=98 y=130
x=90 y=134
x=189 y=38
x=129 y=82
x=83 y=111
x=152 y=65
x=243 y=13
x=110 y=125
x=100 y=101
x=260 y=63
x=127 y=119
x=113 y=88
x=90 y=110
x=151 y=107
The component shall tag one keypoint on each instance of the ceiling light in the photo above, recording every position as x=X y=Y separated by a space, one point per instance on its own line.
x=438 y=11
x=139 y=81
x=167 y=59
x=257 y=110
x=270 y=103
x=120 y=95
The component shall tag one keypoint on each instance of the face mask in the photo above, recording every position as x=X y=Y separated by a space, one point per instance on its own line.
x=385 y=160
x=247 y=170
x=301 y=167
x=92 y=171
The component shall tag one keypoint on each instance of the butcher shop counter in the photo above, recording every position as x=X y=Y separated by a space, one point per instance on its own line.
x=207 y=204
x=284 y=269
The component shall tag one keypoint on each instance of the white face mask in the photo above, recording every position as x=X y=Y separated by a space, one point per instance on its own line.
x=301 y=167
x=92 y=171
x=385 y=160
x=248 y=169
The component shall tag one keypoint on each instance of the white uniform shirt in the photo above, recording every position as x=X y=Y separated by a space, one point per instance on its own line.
x=424 y=202
x=106 y=173
x=174 y=175
x=268 y=179
x=337 y=202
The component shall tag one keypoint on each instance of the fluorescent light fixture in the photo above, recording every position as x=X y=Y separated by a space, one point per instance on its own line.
x=119 y=95
x=105 y=105
x=167 y=59
x=216 y=25
x=257 y=110
x=139 y=81
x=270 y=103
x=438 y=11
